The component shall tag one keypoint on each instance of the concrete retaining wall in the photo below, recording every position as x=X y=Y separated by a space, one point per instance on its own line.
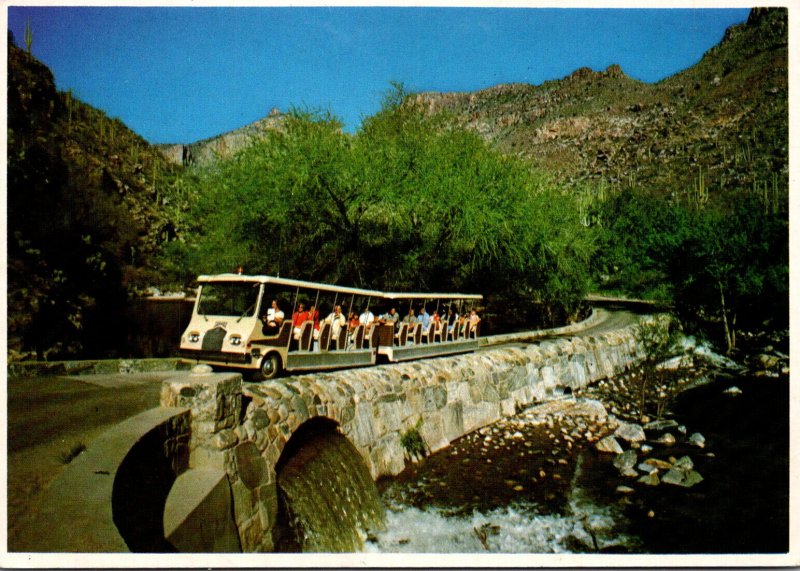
x=111 y=497
x=94 y=367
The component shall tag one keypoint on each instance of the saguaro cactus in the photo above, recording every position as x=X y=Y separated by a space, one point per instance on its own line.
x=68 y=99
x=700 y=195
x=28 y=35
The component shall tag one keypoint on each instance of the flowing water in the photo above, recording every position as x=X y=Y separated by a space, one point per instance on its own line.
x=535 y=483
x=514 y=487
x=327 y=499
x=517 y=488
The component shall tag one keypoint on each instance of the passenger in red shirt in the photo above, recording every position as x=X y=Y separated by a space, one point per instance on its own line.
x=313 y=315
x=298 y=318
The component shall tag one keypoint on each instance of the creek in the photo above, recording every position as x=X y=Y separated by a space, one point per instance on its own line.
x=536 y=484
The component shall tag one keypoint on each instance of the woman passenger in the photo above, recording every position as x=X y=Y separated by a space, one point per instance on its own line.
x=298 y=318
x=313 y=315
x=473 y=318
x=352 y=322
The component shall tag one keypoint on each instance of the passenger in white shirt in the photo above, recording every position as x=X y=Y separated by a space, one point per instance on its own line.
x=366 y=317
x=337 y=321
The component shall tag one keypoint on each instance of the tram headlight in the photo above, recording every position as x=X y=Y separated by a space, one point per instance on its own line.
x=194 y=337
x=236 y=340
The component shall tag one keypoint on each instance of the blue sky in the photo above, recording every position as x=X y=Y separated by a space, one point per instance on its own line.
x=181 y=74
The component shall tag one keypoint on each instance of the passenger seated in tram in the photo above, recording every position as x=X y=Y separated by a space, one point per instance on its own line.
x=410 y=318
x=337 y=321
x=474 y=319
x=390 y=318
x=424 y=318
x=352 y=322
x=452 y=318
x=313 y=315
x=461 y=324
x=367 y=318
x=272 y=319
x=298 y=318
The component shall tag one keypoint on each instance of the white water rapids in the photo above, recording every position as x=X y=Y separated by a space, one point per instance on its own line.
x=518 y=528
x=522 y=527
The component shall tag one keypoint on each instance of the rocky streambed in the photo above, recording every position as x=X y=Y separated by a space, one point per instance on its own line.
x=700 y=465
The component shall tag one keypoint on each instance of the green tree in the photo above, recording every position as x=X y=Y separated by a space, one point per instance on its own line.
x=734 y=266
x=636 y=235
x=405 y=203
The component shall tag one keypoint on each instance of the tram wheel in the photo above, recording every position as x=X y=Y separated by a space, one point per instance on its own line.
x=270 y=367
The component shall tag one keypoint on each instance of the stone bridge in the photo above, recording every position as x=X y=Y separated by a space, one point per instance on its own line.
x=224 y=494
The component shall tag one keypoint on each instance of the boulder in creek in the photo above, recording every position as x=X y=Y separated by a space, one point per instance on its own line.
x=647 y=468
x=650 y=479
x=626 y=460
x=666 y=439
x=681 y=477
x=630 y=432
x=768 y=361
x=609 y=444
x=660 y=464
x=661 y=425
x=697 y=439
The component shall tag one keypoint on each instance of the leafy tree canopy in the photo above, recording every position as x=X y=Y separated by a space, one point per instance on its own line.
x=404 y=204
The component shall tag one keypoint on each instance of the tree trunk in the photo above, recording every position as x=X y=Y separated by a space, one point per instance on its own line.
x=729 y=335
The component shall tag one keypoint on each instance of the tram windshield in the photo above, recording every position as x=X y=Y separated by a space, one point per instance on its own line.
x=236 y=299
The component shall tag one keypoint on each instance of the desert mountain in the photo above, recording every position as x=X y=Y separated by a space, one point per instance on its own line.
x=725 y=119
x=720 y=124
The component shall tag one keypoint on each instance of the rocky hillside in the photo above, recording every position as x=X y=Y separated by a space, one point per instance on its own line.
x=722 y=123
x=89 y=204
x=223 y=146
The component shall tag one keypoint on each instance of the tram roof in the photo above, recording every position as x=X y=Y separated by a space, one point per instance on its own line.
x=288 y=282
x=402 y=295
x=328 y=287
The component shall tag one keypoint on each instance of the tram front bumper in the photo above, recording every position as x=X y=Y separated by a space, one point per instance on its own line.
x=222 y=357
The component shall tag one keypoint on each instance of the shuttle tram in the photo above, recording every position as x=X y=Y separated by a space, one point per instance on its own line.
x=265 y=325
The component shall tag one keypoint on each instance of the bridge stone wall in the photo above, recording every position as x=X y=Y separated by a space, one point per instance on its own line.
x=243 y=428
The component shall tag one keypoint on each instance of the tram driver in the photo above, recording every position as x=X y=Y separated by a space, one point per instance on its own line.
x=272 y=319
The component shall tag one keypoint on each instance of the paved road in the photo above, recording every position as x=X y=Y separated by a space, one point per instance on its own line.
x=605 y=321
x=46 y=407
x=48 y=416
x=609 y=321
